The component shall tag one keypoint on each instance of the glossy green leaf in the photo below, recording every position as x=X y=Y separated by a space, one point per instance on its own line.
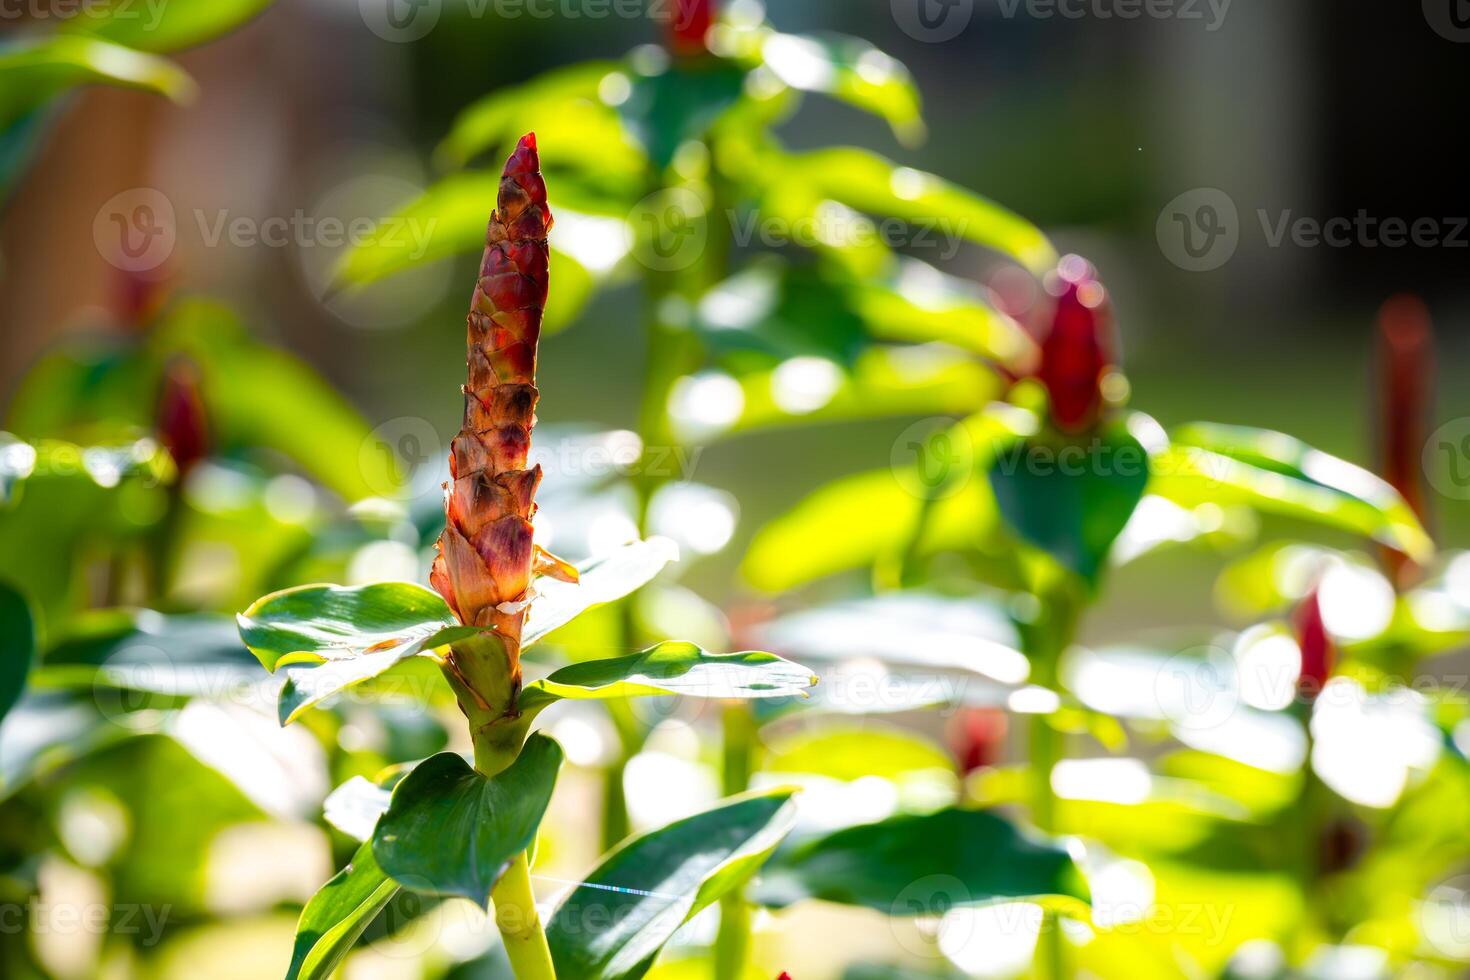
x=337 y=915
x=869 y=183
x=671 y=668
x=1279 y=474
x=451 y=831
x=1072 y=500
x=33 y=72
x=452 y=215
x=325 y=638
x=614 y=926
x=17 y=645
x=852 y=70
x=163 y=27
x=924 y=865
x=602 y=579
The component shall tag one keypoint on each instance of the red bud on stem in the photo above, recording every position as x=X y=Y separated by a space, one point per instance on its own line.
x=1077 y=346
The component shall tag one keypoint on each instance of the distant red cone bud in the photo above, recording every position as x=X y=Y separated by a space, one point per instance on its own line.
x=138 y=296
x=1318 y=654
x=977 y=737
x=690 y=25
x=1406 y=381
x=784 y=976
x=486 y=556
x=1077 y=346
x=183 y=426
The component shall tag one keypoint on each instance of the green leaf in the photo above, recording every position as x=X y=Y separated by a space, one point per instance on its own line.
x=885 y=381
x=34 y=72
x=671 y=668
x=498 y=119
x=851 y=70
x=17 y=645
x=326 y=638
x=178 y=656
x=924 y=865
x=847 y=751
x=1072 y=499
x=869 y=183
x=337 y=915
x=451 y=831
x=163 y=27
x=603 y=579
x=67 y=502
x=1279 y=474
x=668 y=109
x=452 y=215
x=614 y=926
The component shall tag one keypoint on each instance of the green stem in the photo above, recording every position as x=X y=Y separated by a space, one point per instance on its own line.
x=741 y=742
x=1045 y=641
x=520 y=924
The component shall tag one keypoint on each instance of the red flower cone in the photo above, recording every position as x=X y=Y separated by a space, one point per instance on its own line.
x=486 y=555
x=1319 y=656
x=690 y=26
x=183 y=426
x=1077 y=346
x=1405 y=383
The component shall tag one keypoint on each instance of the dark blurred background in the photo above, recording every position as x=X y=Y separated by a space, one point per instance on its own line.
x=1092 y=126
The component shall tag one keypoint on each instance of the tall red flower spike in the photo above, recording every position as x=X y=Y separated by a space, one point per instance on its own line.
x=1319 y=656
x=183 y=426
x=690 y=26
x=1077 y=347
x=1406 y=380
x=485 y=559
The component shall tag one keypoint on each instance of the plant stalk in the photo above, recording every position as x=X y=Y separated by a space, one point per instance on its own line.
x=732 y=943
x=520 y=924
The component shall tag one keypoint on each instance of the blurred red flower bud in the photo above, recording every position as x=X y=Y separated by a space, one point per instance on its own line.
x=138 y=296
x=784 y=976
x=690 y=25
x=977 y=737
x=183 y=426
x=1318 y=654
x=1077 y=346
x=1405 y=382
